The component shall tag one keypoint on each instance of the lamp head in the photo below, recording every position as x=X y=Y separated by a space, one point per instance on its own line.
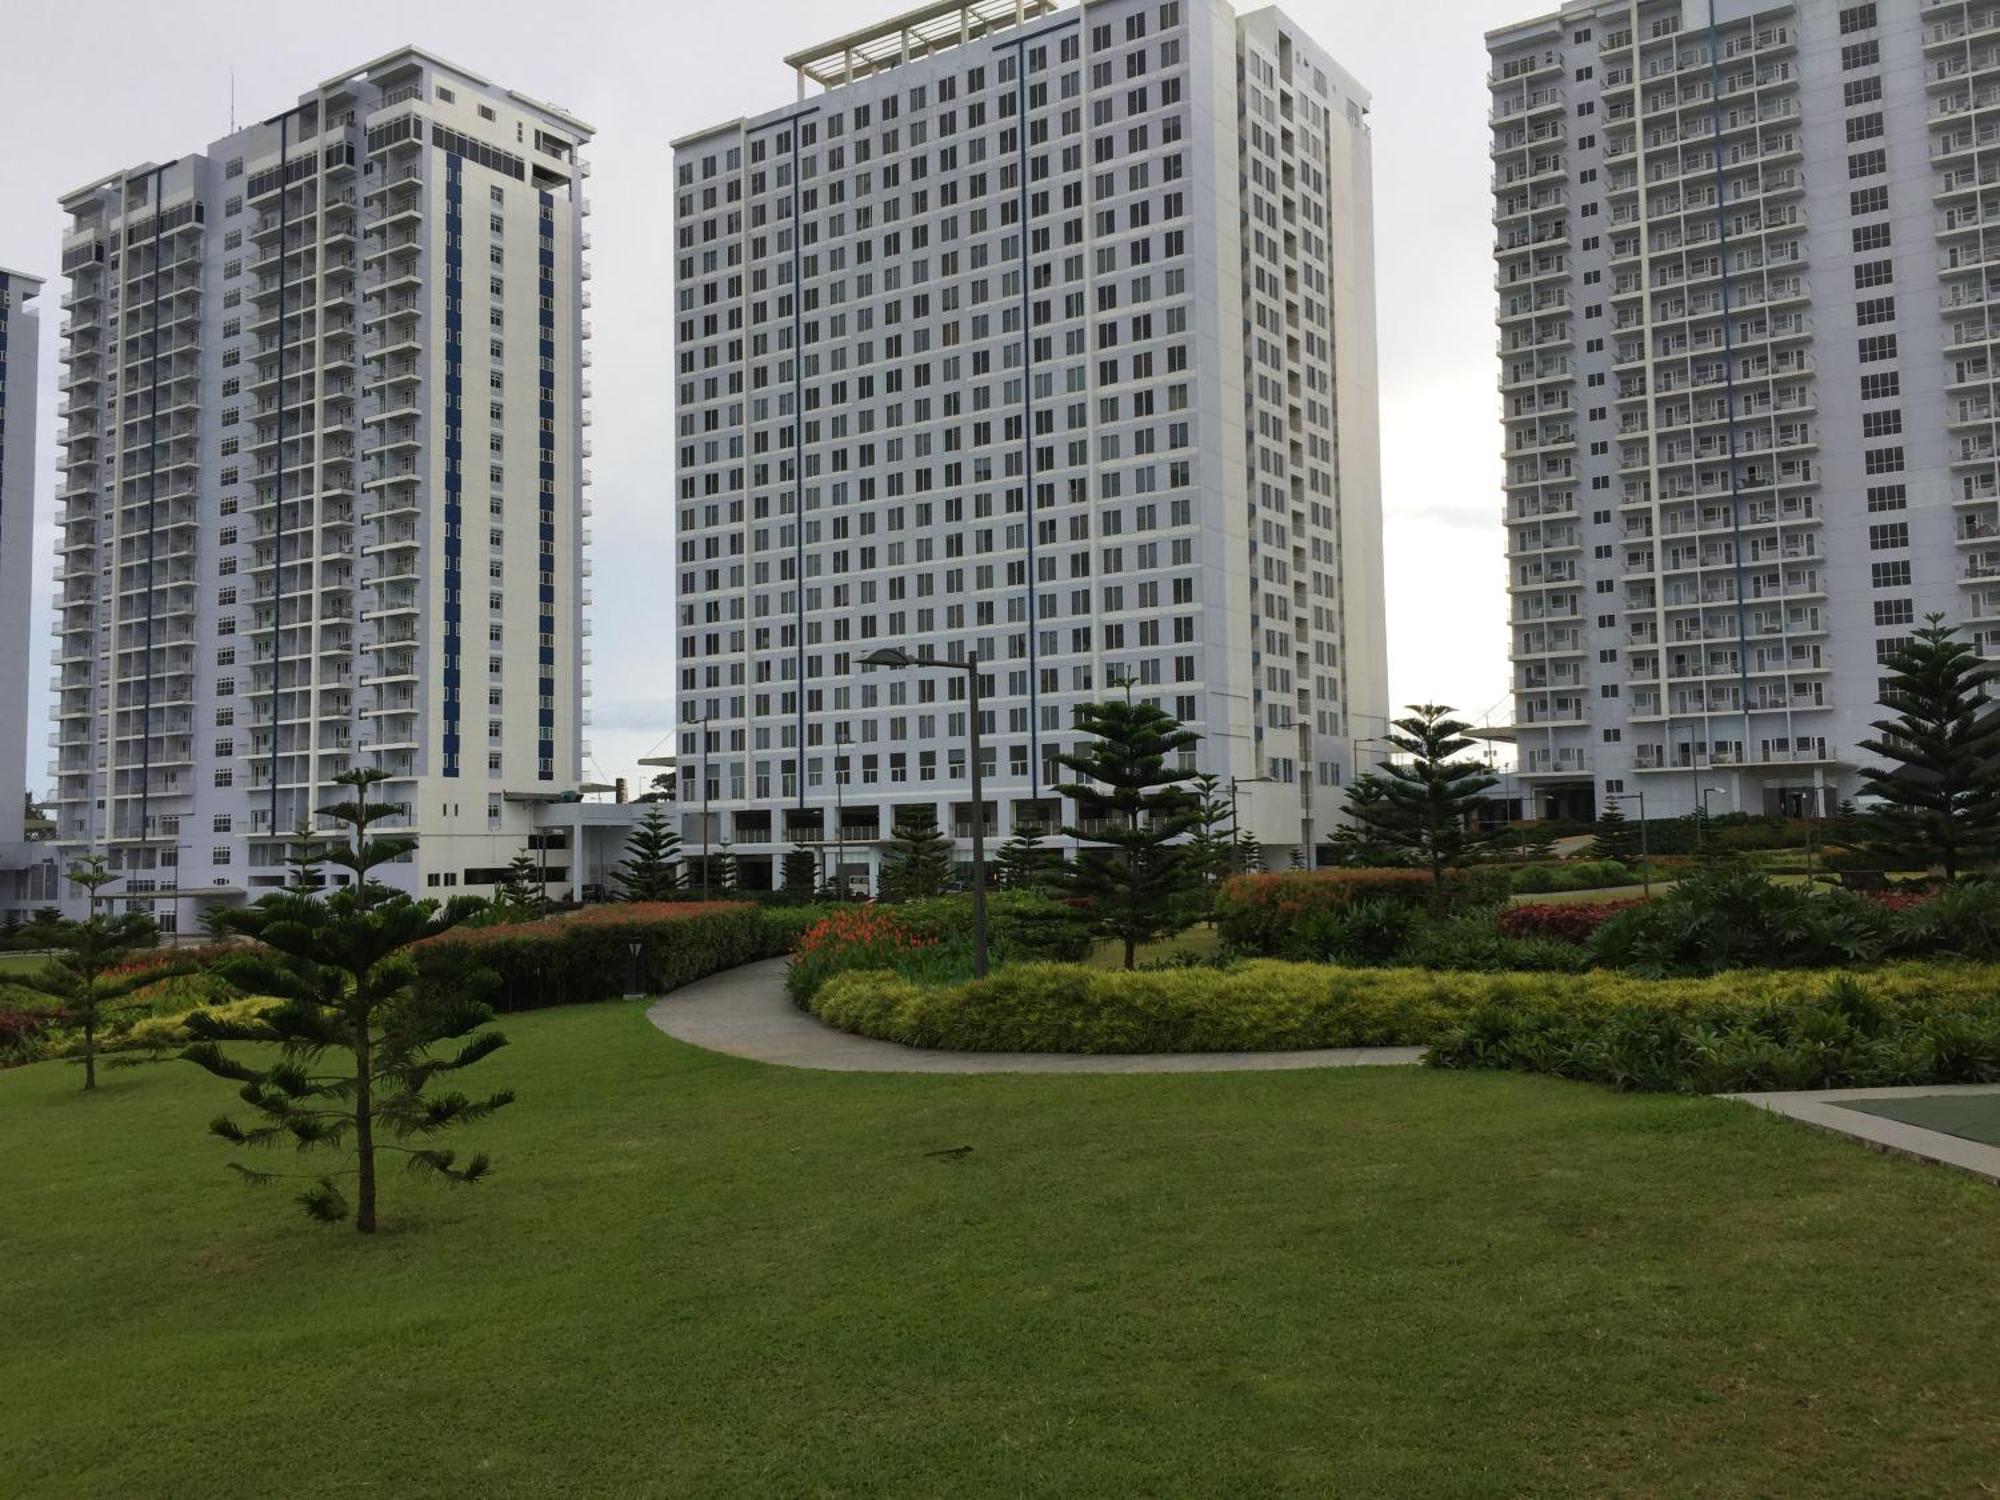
x=889 y=656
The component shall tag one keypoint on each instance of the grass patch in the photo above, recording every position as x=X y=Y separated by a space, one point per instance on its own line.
x=14 y=965
x=1195 y=942
x=696 y=1275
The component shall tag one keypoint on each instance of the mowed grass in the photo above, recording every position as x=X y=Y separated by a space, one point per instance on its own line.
x=696 y=1276
x=17 y=965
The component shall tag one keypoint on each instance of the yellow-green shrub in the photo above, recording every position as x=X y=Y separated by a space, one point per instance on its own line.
x=1270 y=1005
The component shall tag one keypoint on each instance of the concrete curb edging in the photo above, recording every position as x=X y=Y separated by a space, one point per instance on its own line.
x=746 y=1013
x=1821 y=1109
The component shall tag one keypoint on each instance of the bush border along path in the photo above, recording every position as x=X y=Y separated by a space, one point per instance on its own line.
x=746 y=1013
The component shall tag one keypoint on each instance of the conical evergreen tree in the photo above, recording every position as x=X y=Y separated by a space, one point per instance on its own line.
x=650 y=870
x=1939 y=788
x=800 y=872
x=1207 y=850
x=1142 y=807
x=84 y=981
x=722 y=870
x=1249 y=854
x=1022 y=863
x=522 y=893
x=918 y=863
x=339 y=964
x=1615 y=838
x=1429 y=797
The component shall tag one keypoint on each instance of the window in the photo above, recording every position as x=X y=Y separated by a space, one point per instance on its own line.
x=1869 y=273
x=1857 y=18
x=1890 y=536
x=1895 y=612
x=1887 y=497
x=1863 y=90
x=1860 y=55
x=1866 y=127
x=1881 y=387
x=1873 y=200
x=1867 y=164
x=1875 y=310
x=1889 y=575
x=1875 y=349
x=1880 y=424
x=1882 y=460
x=446 y=95
x=1871 y=237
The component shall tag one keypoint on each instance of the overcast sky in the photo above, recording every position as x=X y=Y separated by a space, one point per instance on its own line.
x=646 y=73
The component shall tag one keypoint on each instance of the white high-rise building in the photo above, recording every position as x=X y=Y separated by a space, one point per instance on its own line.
x=1045 y=336
x=1746 y=256
x=20 y=336
x=322 y=495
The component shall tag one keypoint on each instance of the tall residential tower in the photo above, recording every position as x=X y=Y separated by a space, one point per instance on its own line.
x=321 y=503
x=1045 y=336
x=1746 y=255
x=20 y=343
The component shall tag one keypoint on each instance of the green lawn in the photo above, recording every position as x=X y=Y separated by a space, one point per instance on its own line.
x=1199 y=941
x=696 y=1276
x=14 y=964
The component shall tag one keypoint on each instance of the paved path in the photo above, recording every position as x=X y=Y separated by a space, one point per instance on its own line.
x=746 y=1013
x=1822 y=1108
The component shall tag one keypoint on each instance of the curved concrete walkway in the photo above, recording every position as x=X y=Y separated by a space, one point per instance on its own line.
x=746 y=1013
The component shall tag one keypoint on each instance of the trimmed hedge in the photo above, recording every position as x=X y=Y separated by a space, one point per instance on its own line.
x=583 y=956
x=1268 y=1005
x=1852 y=1032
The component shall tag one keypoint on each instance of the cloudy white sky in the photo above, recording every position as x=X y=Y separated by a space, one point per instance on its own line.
x=644 y=73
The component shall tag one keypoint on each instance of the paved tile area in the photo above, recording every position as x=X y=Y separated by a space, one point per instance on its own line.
x=746 y=1013
x=1839 y=1110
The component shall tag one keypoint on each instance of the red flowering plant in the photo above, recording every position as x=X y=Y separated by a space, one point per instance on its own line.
x=867 y=937
x=1569 y=921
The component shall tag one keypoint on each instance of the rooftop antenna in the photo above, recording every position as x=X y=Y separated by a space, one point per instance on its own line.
x=232 y=98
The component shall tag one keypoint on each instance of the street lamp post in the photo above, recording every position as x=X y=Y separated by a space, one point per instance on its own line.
x=1236 y=822
x=839 y=814
x=1702 y=819
x=1645 y=858
x=896 y=656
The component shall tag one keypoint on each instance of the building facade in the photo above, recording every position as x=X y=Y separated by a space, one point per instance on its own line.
x=1041 y=336
x=23 y=880
x=321 y=503
x=1746 y=253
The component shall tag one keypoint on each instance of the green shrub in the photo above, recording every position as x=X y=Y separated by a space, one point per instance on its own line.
x=1960 y=921
x=1263 y=914
x=584 y=956
x=1268 y=1005
x=1577 y=875
x=1021 y=925
x=1844 y=1033
x=1733 y=917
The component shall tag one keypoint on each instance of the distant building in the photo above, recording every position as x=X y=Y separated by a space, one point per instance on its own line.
x=1749 y=256
x=1045 y=336
x=322 y=502
x=22 y=878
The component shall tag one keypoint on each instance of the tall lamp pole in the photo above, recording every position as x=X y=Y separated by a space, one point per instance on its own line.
x=1702 y=819
x=1236 y=822
x=1645 y=858
x=896 y=656
x=840 y=740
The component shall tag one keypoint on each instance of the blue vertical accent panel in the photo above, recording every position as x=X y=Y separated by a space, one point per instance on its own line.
x=454 y=451
x=545 y=709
